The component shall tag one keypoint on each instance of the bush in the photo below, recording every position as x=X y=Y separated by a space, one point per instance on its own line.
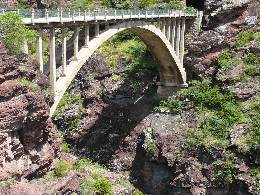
x=86 y=188
x=172 y=104
x=83 y=164
x=224 y=170
x=255 y=173
x=227 y=60
x=66 y=147
x=103 y=186
x=66 y=101
x=62 y=168
x=30 y=85
x=138 y=192
x=245 y=37
x=205 y=95
x=176 y=4
x=14 y=33
x=252 y=65
x=82 y=4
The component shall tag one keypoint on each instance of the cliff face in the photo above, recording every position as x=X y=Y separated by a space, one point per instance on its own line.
x=27 y=142
x=222 y=22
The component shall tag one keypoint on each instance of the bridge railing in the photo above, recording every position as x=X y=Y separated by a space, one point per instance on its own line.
x=49 y=15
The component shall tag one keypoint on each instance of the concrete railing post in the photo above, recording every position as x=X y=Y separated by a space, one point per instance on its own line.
x=52 y=59
x=106 y=15
x=76 y=42
x=47 y=15
x=95 y=14
x=178 y=36
x=32 y=18
x=73 y=16
x=61 y=15
x=64 y=51
x=86 y=35
x=183 y=21
x=96 y=29
x=164 y=27
x=39 y=50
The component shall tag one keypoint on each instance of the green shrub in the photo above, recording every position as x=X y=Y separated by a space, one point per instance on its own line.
x=149 y=143
x=103 y=186
x=14 y=33
x=30 y=85
x=216 y=125
x=172 y=104
x=227 y=60
x=83 y=164
x=176 y=4
x=255 y=173
x=62 y=168
x=205 y=95
x=138 y=192
x=66 y=101
x=224 y=170
x=82 y=4
x=86 y=188
x=147 y=3
x=66 y=147
x=245 y=37
x=252 y=65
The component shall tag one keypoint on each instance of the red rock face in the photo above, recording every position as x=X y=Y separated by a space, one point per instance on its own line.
x=8 y=3
x=27 y=142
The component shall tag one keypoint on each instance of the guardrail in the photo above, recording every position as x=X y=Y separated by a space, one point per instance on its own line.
x=31 y=16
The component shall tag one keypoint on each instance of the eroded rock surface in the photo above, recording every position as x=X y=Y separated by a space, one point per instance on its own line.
x=27 y=140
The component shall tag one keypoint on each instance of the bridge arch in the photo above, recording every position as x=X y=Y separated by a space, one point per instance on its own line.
x=171 y=70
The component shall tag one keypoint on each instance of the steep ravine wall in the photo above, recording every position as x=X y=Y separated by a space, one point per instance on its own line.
x=28 y=143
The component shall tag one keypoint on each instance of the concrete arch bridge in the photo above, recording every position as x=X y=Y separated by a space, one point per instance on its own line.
x=161 y=30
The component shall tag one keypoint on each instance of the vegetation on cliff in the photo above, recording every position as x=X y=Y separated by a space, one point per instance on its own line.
x=14 y=33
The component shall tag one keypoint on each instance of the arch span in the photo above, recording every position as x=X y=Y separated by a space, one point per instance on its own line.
x=171 y=70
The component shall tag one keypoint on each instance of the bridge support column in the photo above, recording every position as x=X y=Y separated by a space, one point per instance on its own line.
x=168 y=89
x=52 y=59
x=163 y=26
x=76 y=43
x=178 y=37
x=182 y=40
x=106 y=26
x=173 y=33
x=168 y=29
x=64 y=51
x=39 y=50
x=96 y=29
x=86 y=35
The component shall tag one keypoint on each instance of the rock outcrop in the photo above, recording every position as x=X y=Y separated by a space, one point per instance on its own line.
x=28 y=143
x=222 y=23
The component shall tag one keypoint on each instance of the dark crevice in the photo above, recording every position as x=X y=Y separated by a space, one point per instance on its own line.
x=198 y=4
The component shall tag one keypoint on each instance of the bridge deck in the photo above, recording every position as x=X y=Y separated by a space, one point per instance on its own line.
x=31 y=17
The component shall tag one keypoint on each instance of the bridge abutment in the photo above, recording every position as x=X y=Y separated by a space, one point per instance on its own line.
x=168 y=89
